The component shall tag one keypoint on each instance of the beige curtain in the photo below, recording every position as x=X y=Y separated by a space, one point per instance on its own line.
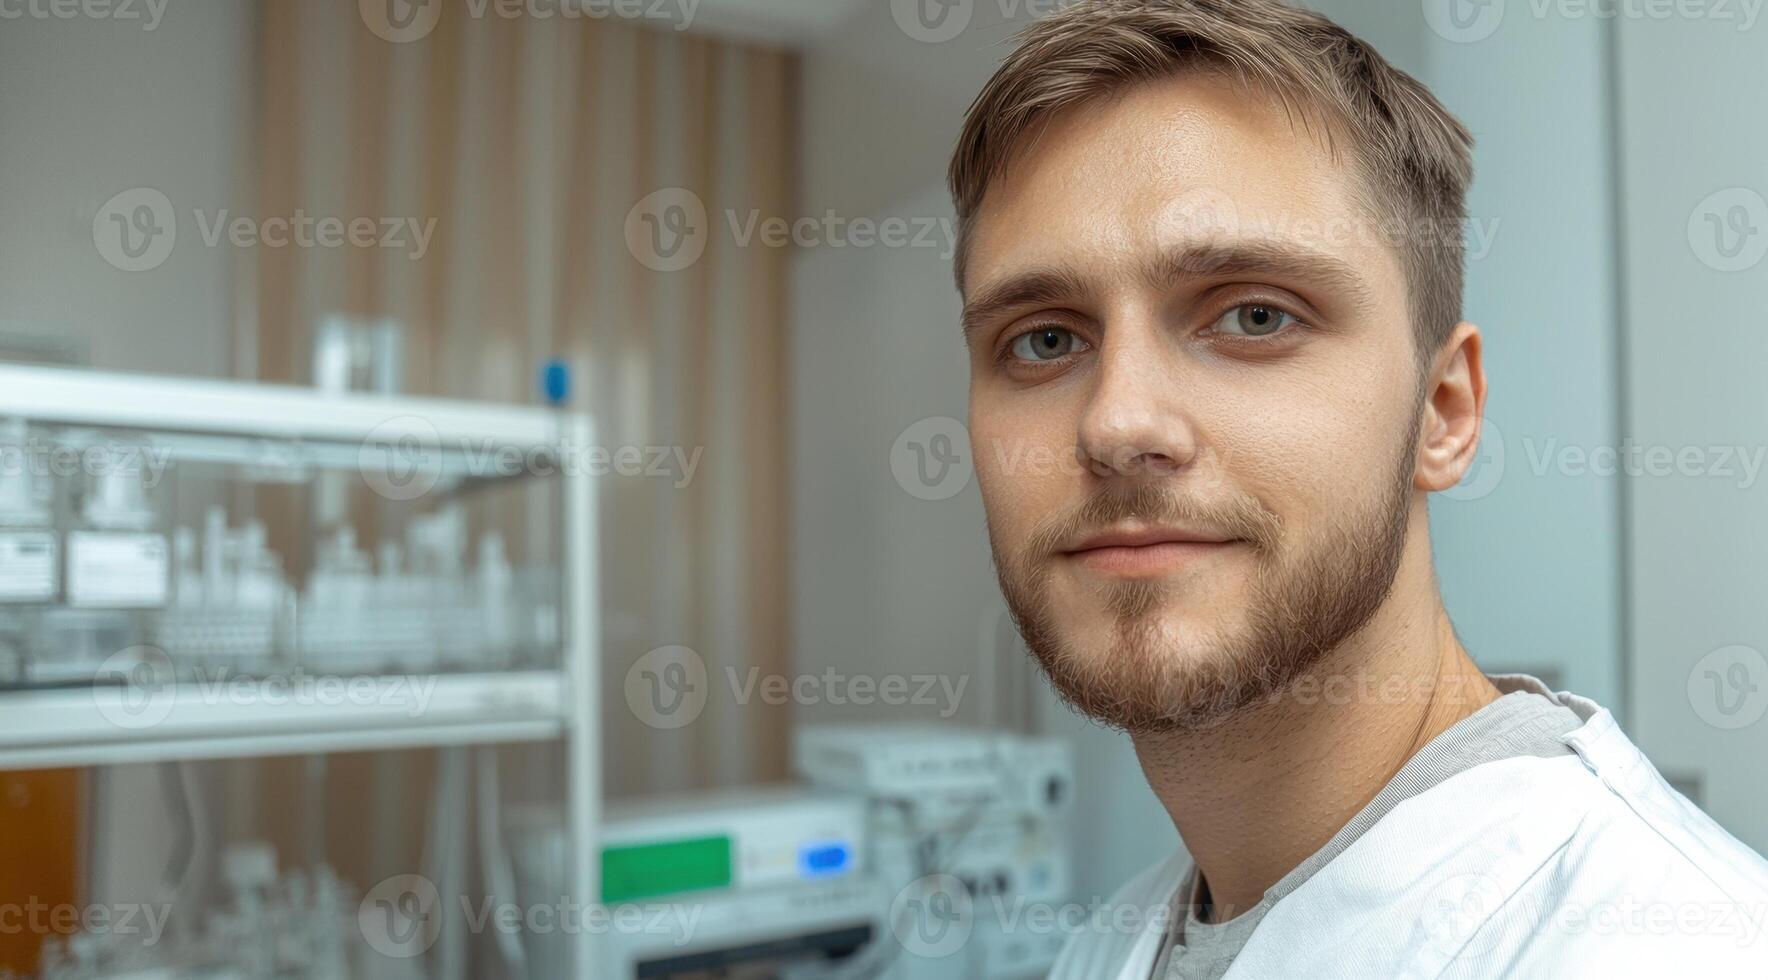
x=528 y=141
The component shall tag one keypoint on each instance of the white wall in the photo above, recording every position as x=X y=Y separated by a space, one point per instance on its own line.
x=94 y=107
x=882 y=580
x=1697 y=340
x=1531 y=570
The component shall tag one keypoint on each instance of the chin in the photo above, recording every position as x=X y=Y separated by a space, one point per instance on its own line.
x=1172 y=666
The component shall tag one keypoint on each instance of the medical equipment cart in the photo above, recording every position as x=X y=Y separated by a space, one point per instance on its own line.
x=146 y=708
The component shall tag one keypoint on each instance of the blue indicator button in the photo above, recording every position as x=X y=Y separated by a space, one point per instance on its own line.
x=825 y=859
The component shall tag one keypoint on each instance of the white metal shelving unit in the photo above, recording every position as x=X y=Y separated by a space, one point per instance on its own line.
x=248 y=423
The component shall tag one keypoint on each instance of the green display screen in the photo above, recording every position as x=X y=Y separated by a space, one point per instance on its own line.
x=635 y=871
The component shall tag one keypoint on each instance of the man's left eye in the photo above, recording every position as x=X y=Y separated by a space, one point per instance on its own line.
x=1253 y=320
x=1047 y=344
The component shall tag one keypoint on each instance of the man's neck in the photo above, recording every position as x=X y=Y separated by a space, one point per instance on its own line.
x=1256 y=795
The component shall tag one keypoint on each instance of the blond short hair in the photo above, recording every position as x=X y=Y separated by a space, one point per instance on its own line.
x=1414 y=158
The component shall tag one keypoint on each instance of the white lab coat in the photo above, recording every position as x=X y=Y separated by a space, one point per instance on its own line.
x=1585 y=865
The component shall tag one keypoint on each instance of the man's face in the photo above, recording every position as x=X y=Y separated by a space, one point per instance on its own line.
x=1194 y=400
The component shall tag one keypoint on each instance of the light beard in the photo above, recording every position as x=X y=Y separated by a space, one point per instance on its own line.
x=1299 y=608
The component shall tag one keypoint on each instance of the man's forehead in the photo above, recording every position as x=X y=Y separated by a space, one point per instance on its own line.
x=1158 y=169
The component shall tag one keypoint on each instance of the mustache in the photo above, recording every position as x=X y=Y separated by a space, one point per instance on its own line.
x=1236 y=517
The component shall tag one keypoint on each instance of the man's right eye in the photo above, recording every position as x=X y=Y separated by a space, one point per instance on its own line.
x=1047 y=344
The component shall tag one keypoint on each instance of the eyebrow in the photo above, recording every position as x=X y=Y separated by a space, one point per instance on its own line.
x=1040 y=288
x=1280 y=260
x=1283 y=261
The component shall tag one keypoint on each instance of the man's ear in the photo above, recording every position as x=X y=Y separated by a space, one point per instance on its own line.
x=1454 y=406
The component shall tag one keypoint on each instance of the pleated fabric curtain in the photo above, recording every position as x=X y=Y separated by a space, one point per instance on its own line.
x=529 y=141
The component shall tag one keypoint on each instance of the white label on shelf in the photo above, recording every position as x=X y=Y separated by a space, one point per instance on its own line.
x=28 y=567
x=117 y=569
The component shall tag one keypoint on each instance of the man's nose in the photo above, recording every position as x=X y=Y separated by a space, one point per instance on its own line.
x=1135 y=422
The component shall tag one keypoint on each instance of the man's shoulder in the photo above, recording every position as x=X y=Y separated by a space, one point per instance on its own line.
x=1586 y=864
x=1602 y=809
x=1646 y=835
x=1603 y=819
x=1625 y=828
x=1645 y=884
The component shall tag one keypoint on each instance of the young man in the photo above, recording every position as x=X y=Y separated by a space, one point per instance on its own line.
x=1211 y=265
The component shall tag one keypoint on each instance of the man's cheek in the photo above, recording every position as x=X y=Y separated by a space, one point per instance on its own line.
x=1306 y=459
x=1003 y=499
x=1008 y=463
